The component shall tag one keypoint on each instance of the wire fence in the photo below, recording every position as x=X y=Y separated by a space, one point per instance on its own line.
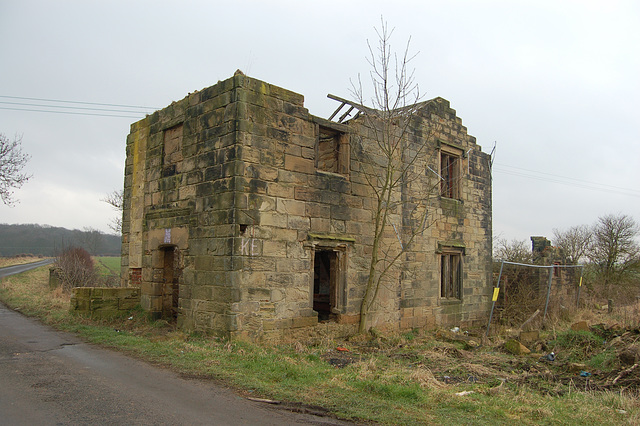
x=527 y=295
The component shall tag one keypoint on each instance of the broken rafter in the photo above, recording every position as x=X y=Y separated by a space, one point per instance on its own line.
x=346 y=114
x=352 y=105
x=402 y=111
x=336 y=111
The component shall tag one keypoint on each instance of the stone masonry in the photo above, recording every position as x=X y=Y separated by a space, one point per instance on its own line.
x=247 y=217
x=101 y=302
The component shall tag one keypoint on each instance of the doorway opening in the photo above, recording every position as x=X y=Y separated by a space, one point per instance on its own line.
x=171 y=272
x=325 y=283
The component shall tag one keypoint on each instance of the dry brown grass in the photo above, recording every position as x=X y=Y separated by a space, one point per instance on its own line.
x=426 y=379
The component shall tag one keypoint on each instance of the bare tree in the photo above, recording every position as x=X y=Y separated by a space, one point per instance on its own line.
x=91 y=239
x=574 y=242
x=512 y=251
x=391 y=162
x=115 y=200
x=12 y=161
x=614 y=251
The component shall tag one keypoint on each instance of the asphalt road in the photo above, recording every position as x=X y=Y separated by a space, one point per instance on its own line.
x=53 y=378
x=16 y=269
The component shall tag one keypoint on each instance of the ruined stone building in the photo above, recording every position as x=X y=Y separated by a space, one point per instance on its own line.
x=564 y=279
x=245 y=216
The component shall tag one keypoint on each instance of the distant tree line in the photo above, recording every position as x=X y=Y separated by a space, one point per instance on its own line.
x=44 y=240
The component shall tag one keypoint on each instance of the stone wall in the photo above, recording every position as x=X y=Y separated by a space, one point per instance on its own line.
x=100 y=302
x=235 y=195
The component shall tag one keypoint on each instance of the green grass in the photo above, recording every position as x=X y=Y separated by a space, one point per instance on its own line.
x=603 y=360
x=390 y=380
x=108 y=265
x=577 y=346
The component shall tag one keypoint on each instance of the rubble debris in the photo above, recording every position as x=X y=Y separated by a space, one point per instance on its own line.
x=528 y=337
x=629 y=355
x=580 y=326
x=263 y=400
x=515 y=347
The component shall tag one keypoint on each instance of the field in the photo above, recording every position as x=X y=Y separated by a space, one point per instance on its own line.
x=416 y=377
x=109 y=264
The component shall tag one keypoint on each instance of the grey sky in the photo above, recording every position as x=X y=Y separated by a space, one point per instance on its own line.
x=554 y=83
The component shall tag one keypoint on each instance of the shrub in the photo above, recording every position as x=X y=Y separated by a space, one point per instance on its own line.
x=578 y=346
x=75 y=268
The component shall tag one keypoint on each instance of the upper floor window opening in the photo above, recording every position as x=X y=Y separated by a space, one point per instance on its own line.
x=332 y=151
x=450 y=172
x=172 y=151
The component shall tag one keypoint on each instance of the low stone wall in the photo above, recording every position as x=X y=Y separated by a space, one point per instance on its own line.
x=308 y=334
x=100 y=302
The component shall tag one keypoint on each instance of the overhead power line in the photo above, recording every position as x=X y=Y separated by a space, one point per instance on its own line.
x=564 y=180
x=79 y=102
x=62 y=106
x=72 y=113
x=65 y=107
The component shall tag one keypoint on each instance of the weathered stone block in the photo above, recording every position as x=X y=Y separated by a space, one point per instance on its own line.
x=277 y=220
x=298 y=222
x=317 y=210
x=287 y=176
x=298 y=164
x=280 y=190
x=275 y=248
x=516 y=348
x=291 y=207
x=320 y=225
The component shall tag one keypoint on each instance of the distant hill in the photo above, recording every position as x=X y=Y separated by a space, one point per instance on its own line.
x=47 y=240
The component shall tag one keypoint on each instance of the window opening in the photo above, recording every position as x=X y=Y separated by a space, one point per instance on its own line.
x=325 y=279
x=450 y=173
x=332 y=151
x=451 y=275
x=172 y=151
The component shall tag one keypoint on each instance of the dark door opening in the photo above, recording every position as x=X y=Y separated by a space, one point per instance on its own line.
x=325 y=274
x=171 y=288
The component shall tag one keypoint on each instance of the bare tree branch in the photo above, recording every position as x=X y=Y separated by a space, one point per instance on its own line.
x=12 y=161
x=115 y=200
x=574 y=242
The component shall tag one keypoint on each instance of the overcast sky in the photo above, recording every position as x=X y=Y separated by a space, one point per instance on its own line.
x=555 y=85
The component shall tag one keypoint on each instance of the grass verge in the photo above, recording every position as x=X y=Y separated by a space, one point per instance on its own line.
x=389 y=380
